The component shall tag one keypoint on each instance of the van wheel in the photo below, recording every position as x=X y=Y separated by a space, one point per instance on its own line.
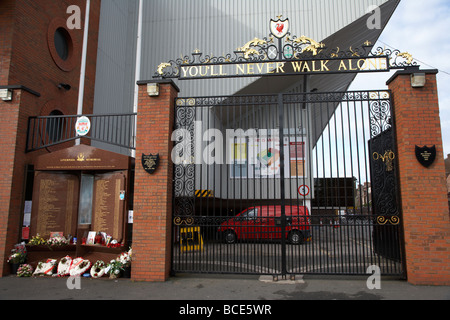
x=229 y=237
x=296 y=237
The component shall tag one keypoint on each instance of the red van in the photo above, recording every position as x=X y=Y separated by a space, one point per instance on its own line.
x=264 y=222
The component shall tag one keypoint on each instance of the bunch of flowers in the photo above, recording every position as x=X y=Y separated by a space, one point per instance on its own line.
x=18 y=255
x=37 y=241
x=114 y=268
x=125 y=258
x=113 y=244
x=57 y=242
x=16 y=258
x=25 y=270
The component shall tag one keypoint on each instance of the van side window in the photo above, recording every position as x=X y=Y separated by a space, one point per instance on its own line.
x=252 y=214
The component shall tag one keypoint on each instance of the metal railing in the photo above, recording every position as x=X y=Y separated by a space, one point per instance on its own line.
x=113 y=129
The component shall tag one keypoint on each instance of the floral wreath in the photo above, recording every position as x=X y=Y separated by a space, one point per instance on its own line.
x=64 y=266
x=79 y=266
x=45 y=268
x=98 y=270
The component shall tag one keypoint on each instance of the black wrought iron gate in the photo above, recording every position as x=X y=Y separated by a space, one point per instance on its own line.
x=286 y=184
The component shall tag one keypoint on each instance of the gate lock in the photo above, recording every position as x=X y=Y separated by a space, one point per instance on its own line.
x=191 y=239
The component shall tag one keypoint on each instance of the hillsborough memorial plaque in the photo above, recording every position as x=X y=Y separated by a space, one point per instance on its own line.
x=56 y=205
x=108 y=207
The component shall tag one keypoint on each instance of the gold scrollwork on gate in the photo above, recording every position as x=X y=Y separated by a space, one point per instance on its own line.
x=183 y=102
x=178 y=221
x=394 y=220
x=379 y=95
x=387 y=158
x=163 y=66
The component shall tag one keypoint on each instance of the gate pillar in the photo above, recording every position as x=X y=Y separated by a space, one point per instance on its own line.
x=153 y=192
x=423 y=190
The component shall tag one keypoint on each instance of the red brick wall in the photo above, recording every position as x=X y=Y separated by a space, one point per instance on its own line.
x=423 y=190
x=8 y=111
x=153 y=193
x=26 y=60
x=32 y=64
x=7 y=8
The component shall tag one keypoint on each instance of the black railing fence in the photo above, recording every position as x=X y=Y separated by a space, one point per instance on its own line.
x=114 y=129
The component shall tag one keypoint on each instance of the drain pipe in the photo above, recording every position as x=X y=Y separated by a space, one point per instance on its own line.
x=83 y=64
x=137 y=73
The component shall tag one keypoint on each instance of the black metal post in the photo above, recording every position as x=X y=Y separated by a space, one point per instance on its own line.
x=282 y=185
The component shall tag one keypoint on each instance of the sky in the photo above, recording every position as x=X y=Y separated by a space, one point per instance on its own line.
x=421 y=28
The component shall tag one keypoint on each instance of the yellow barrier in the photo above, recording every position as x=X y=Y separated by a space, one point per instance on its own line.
x=204 y=194
x=191 y=239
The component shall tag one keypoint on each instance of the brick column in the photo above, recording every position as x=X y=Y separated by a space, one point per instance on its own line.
x=13 y=136
x=153 y=193
x=423 y=190
x=8 y=142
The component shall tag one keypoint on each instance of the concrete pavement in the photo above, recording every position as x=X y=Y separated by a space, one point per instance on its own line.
x=215 y=287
